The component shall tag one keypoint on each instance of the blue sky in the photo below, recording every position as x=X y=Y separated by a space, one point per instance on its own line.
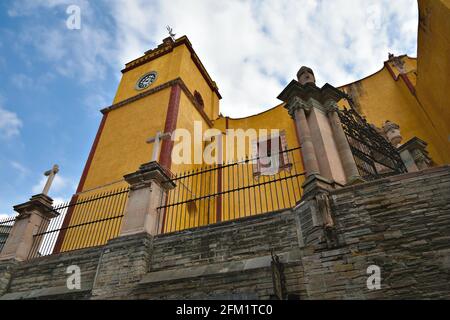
x=54 y=81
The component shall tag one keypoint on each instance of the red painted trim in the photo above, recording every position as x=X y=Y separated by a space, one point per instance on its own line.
x=408 y=84
x=91 y=154
x=219 y=181
x=166 y=85
x=388 y=66
x=165 y=158
x=219 y=198
x=69 y=213
x=66 y=223
x=404 y=77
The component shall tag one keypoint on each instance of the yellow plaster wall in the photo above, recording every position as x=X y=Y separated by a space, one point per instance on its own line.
x=260 y=199
x=275 y=118
x=176 y=64
x=433 y=70
x=381 y=98
x=122 y=147
x=182 y=216
x=167 y=66
x=268 y=197
x=195 y=81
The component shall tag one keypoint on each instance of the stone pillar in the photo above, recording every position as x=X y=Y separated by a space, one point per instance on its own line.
x=148 y=187
x=345 y=153
x=414 y=155
x=329 y=163
x=308 y=151
x=34 y=216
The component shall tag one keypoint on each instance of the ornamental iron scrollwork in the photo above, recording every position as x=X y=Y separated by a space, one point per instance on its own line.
x=375 y=157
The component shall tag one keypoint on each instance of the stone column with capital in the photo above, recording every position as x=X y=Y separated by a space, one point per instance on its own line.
x=329 y=161
x=315 y=182
x=345 y=153
x=148 y=188
x=34 y=216
x=297 y=109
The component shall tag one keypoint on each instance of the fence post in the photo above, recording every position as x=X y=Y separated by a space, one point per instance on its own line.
x=34 y=216
x=148 y=187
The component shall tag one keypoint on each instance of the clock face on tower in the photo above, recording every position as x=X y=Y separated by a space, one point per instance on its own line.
x=146 y=80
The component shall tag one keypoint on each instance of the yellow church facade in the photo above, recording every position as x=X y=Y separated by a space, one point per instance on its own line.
x=168 y=88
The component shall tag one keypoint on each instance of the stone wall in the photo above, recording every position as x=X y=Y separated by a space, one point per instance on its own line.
x=46 y=277
x=401 y=224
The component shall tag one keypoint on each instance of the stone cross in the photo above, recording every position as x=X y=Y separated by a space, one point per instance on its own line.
x=157 y=143
x=51 y=175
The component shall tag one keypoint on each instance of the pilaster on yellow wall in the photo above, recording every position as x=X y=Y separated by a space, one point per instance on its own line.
x=433 y=70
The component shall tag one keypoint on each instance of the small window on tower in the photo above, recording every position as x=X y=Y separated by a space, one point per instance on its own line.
x=199 y=100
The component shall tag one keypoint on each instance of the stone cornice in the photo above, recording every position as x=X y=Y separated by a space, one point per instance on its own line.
x=161 y=87
x=296 y=103
x=41 y=203
x=309 y=90
x=149 y=173
x=166 y=47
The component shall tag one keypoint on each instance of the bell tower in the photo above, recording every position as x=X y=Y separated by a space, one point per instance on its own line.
x=166 y=88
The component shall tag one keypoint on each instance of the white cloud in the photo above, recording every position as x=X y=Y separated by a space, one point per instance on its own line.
x=59 y=185
x=22 y=170
x=10 y=123
x=28 y=7
x=24 y=81
x=250 y=48
x=84 y=55
x=59 y=201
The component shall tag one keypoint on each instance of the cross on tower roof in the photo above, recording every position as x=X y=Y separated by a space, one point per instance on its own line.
x=171 y=34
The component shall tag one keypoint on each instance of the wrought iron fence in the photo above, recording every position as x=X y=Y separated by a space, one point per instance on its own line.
x=6 y=225
x=375 y=157
x=81 y=223
x=231 y=191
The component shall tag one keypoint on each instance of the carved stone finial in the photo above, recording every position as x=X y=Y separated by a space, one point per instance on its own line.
x=306 y=75
x=392 y=132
